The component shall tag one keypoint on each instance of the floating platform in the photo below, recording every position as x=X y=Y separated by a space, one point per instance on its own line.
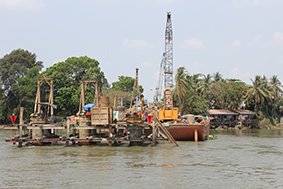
x=79 y=142
x=8 y=127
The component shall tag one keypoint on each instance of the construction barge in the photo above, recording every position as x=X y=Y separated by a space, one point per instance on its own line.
x=93 y=124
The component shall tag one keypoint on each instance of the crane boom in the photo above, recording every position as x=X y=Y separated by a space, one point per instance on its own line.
x=168 y=60
x=159 y=87
x=168 y=112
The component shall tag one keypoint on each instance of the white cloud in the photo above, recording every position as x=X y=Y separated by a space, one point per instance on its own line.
x=136 y=44
x=194 y=43
x=21 y=4
x=236 y=44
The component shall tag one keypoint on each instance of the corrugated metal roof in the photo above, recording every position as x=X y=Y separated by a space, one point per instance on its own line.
x=221 y=112
x=245 y=112
x=228 y=112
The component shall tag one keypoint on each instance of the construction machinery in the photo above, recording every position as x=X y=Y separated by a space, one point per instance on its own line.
x=167 y=112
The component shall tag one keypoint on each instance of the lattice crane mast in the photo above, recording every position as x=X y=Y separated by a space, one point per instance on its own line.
x=159 y=88
x=168 y=112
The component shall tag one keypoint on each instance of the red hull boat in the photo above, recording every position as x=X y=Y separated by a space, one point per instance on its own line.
x=189 y=132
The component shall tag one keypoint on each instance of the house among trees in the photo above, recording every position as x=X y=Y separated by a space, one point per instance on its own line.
x=221 y=117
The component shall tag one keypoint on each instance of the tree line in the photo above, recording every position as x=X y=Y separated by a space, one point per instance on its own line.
x=196 y=93
x=193 y=93
x=20 y=70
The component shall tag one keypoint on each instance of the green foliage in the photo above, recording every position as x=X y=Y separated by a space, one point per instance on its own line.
x=197 y=105
x=226 y=94
x=120 y=95
x=23 y=93
x=67 y=77
x=188 y=92
x=197 y=93
x=265 y=97
x=19 y=70
x=15 y=65
x=126 y=84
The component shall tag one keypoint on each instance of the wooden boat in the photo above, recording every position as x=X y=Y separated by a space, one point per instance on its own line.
x=189 y=131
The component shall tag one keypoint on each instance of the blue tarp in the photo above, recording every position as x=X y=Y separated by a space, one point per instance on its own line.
x=87 y=107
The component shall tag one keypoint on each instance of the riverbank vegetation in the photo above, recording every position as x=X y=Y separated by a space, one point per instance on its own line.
x=196 y=93
x=193 y=93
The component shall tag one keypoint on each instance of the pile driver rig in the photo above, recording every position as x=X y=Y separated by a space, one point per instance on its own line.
x=167 y=112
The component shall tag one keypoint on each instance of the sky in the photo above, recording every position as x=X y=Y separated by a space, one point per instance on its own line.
x=237 y=38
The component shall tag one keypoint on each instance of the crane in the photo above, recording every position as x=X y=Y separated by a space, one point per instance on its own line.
x=168 y=111
x=159 y=87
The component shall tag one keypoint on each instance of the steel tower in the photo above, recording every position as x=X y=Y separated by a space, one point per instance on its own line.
x=168 y=58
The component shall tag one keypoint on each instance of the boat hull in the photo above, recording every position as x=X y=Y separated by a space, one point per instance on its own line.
x=188 y=132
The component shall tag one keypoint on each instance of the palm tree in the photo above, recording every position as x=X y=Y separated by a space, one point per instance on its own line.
x=275 y=99
x=258 y=92
x=217 y=77
x=276 y=86
x=181 y=87
x=205 y=84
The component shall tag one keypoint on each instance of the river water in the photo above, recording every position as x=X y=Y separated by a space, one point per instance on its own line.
x=252 y=160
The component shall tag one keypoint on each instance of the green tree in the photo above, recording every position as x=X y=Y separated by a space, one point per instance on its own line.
x=276 y=86
x=257 y=93
x=125 y=84
x=217 y=77
x=23 y=93
x=14 y=67
x=181 y=87
x=67 y=77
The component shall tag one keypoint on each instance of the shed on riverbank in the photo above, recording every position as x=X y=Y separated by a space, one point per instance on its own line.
x=222 y=117
x=247 y=118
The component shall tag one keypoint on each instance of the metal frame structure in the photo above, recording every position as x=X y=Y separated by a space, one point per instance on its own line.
x=168 y=59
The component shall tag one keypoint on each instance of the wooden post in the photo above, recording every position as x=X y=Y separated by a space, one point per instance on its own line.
x=38 y=96
x=153 y=142
x=68 y=131
x=21 y=122
x=196 y=135
x=51 y=98
x=68 y=128
x=83 y=96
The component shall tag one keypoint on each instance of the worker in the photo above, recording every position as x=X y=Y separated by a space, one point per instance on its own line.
x=149 y=118
x=146 y=116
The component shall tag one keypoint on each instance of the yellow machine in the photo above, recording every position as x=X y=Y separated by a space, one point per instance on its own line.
x=168 y=112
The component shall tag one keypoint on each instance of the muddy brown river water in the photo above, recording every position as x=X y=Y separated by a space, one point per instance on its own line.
x=233 y=160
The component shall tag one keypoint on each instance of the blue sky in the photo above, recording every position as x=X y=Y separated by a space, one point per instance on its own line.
x=238 y=38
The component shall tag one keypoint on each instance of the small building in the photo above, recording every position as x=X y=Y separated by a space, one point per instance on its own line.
x=221 y=117
x=247 y=118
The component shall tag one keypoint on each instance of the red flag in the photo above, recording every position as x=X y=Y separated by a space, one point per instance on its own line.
x=13 y=119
